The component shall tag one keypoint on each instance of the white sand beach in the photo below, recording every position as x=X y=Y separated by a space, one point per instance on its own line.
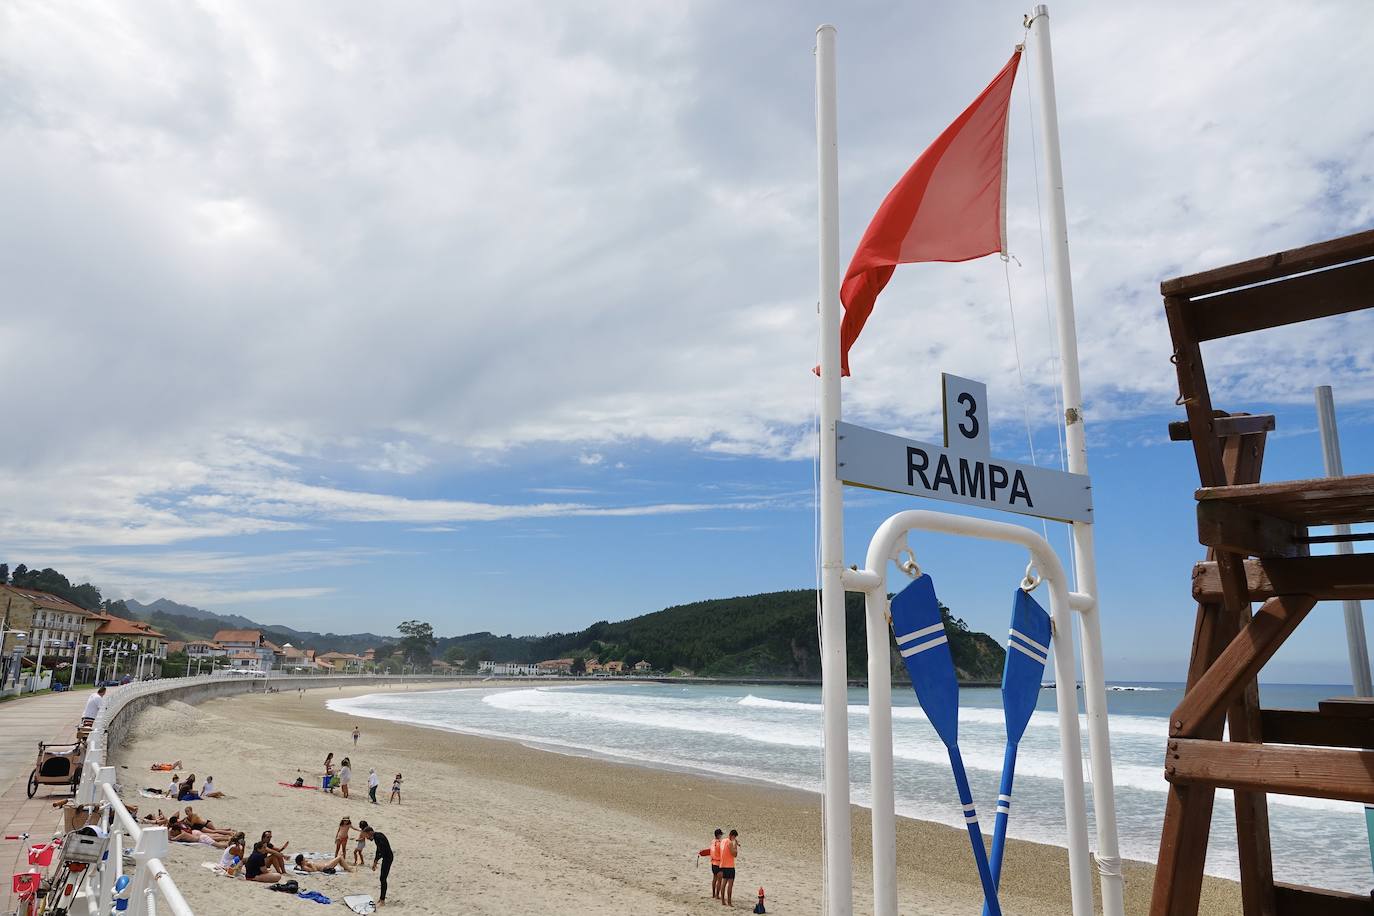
x=490 y=826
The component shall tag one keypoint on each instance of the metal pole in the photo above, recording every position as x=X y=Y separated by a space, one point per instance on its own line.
x=1085 y=568
x=834 y=667
x=1354 y=617
x=99 y=657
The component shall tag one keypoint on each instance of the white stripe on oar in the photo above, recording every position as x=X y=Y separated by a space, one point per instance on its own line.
x=1004 y=798
x=970 y=818
x=924 y=631
x=907 y=653
x=1020 y=648
x=1044 y=650
x=968 y=809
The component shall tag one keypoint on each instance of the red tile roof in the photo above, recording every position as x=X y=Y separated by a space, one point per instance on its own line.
x=253 y=636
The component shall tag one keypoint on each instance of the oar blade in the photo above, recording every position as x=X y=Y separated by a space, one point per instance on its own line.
x=920 y=630
x=1027 y=651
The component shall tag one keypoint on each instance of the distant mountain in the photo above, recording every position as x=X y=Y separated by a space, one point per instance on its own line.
x=182 y=621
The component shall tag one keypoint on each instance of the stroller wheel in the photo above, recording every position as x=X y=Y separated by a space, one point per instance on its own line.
x=33 y=783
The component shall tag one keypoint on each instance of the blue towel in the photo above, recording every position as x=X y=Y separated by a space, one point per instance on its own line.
x=315 y=896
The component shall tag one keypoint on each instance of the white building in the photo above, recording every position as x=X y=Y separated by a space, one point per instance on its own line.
x=508 y=669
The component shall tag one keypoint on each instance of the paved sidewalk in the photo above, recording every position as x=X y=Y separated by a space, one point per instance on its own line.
x=23 y=723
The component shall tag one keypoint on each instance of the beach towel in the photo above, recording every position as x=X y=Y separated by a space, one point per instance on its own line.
x=216 y=868
x=151 y=793
x=294 y=786
x=315 y=896
x=360 y=903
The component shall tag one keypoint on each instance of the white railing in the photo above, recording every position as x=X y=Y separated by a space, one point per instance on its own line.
x=98 y=787
x=150 y=843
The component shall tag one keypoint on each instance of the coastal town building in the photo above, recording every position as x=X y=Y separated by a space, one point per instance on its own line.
x=510 y=669
x=555 y=666
x=35 y=623
x=122 y=646
x=593 y=666
x=344 y=662
x=205 y=649
x=239 y=641
x=643 y=667
x=614 y=667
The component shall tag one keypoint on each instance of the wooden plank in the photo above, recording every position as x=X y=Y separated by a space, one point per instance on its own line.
x=1329 y=578
x=1307 y=727
x=1252 y=816
x=1249 y=532
x=1311 y=772
x=1316 y=501
x=1300 y=900
x=1273 y=266
x=1239 y=663
x=1349 y=707
x=1273 y=305
x=1237 y=424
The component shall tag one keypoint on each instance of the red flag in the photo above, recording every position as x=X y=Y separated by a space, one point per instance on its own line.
x=949 y=206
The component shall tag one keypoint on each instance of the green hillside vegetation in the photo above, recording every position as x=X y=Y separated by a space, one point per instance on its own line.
x=767 y=635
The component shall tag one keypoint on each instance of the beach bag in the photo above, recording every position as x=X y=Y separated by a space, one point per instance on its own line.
x=286 y=887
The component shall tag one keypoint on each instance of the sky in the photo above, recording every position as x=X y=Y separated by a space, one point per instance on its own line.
x=502 y=316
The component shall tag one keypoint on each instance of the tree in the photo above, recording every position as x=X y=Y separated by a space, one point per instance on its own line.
x=484 y=655
x=4 y=573
x=417 y=639
x=456 y=655
x=21 y=571
x=579 y=665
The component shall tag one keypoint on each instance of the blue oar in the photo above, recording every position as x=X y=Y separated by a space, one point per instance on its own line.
x=920 y=632
x=1027 y=648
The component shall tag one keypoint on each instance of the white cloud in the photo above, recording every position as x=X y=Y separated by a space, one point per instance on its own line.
x=243 y=240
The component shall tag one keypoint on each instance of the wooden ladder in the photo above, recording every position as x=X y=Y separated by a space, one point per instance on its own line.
x=1257 y=539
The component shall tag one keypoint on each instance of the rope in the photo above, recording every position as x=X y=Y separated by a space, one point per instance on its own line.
x=1021 y=378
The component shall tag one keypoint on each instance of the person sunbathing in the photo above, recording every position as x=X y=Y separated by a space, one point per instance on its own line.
x=195 y=821
x=166 y=767
x=178 y=832
x=328 y=868
x=274 y=853
x=158 y=819
x=209 y=789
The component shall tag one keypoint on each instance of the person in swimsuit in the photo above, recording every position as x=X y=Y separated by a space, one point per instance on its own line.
x=714 y=852
x=341 y=836
x=355 y=735
x=358 y=847
x=395 y=790
x=304 y=864
x=384 y=855
x=275 y=854
x=329 y=771
x=728 y=850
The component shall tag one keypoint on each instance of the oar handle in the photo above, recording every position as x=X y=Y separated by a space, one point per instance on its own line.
x=980 y=854
x=999 y=827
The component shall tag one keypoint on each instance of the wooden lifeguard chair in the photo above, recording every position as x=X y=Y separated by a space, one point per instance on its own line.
x=1257 y=537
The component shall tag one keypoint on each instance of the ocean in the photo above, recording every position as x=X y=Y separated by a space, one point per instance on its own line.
x=774 y=734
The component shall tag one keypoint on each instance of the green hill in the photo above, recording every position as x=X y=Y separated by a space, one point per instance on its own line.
x=767 y=635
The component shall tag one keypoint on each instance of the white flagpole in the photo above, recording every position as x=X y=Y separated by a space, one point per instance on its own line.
x=834 y=669
x=1085 y=569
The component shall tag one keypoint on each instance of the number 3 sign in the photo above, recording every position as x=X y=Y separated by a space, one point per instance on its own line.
x=966 y=419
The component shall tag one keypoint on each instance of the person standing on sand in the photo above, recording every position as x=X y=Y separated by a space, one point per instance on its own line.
x=714 y=852
x=395 y=790
x=728 y=850
x=372 y=782
x=329 y=772
x=345 y=776
x=355 y=736
x=384 y=855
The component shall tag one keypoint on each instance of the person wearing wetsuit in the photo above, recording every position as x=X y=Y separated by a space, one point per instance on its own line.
x=383 y=855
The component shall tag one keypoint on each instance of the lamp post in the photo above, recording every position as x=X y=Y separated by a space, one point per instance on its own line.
x=38 y=665
x=76 y=654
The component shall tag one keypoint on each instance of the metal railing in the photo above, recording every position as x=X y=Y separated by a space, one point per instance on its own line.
x=150 y=843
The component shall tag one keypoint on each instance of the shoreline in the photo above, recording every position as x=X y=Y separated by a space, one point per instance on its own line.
x=509 y=828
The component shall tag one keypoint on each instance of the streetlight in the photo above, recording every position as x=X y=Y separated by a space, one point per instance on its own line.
x=76 y=653
x=38 y=666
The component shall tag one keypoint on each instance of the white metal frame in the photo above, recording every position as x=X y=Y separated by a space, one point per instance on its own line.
x=838 y=851
x=888 y=541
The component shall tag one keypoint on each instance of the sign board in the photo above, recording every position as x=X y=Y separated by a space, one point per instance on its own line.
x=962 y=470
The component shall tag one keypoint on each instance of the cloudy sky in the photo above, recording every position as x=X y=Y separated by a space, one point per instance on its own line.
x=501 y=315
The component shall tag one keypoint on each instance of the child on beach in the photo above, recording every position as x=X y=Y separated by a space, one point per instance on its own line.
x=395 y=790
x=358 y=846
x=341 y=836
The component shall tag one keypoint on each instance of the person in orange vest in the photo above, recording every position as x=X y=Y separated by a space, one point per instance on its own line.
x=714 y=852
x=728 y=850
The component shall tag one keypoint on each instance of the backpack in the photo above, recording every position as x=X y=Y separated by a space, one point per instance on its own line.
x=286 y=887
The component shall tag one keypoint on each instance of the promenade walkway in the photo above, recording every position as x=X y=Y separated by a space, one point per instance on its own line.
x=23 y=723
